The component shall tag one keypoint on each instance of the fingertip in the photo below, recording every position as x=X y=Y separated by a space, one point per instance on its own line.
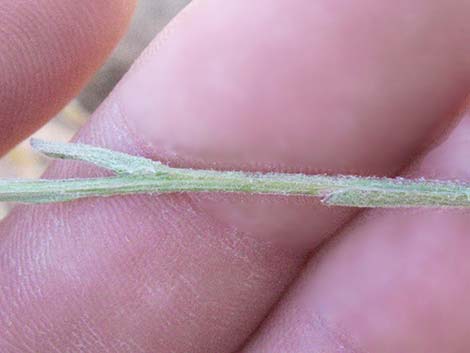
x=48 y=50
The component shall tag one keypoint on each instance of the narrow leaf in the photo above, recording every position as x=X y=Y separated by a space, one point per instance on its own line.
x=118 y=162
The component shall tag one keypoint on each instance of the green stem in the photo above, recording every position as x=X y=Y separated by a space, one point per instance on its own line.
x=137 y=175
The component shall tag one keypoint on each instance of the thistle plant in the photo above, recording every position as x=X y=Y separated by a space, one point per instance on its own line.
x=138 y=175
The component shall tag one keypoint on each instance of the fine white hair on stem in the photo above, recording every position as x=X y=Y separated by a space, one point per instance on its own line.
x=119 y=163
x=138 y=175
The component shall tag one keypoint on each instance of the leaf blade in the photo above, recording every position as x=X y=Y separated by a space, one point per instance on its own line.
x=117 y=162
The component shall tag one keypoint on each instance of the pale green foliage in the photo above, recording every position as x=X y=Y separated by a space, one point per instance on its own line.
x=138 y=175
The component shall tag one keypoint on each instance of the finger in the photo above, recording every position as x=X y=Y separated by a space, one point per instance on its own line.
x=48 y=49
x=170 y=273
x=337 y=83
x=396 y=281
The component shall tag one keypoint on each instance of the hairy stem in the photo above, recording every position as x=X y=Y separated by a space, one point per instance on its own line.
x=138 y=175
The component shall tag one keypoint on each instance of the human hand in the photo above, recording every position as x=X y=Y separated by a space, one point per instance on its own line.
x=307 y=86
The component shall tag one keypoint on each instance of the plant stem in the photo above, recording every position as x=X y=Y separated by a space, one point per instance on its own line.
x=138 y=175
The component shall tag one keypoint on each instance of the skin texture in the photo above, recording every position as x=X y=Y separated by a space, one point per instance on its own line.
x=392 y=281
x=49 y=48
x=324 y=86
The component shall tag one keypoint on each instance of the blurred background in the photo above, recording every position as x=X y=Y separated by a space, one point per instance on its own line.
x=150 y=17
